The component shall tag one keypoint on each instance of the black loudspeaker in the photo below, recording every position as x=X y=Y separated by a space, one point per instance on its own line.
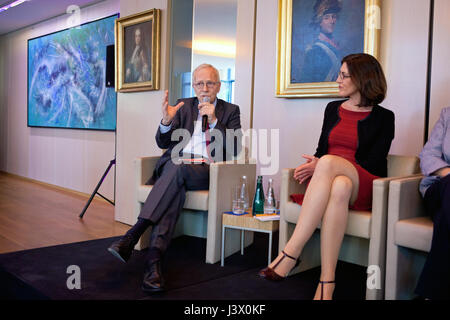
x=110 y=80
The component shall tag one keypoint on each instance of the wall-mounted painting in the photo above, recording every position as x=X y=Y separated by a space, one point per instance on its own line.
x=314 y=36
x=137 y=51
x=66 y=78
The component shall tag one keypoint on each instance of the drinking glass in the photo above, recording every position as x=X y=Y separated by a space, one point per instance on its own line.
x=238 y=201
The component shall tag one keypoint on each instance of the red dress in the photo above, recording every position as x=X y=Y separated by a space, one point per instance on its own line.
x=343 y=142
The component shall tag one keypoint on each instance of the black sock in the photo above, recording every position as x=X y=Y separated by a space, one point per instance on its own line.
x=153 y=255
x=138 y=229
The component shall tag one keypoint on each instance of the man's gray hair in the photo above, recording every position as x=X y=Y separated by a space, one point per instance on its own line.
x=204 y=66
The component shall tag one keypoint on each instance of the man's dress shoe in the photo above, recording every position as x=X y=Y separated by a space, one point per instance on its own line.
x=122 y=248
x=153 y=280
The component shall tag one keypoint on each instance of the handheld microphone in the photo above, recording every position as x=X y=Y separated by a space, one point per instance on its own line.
x=205 y=117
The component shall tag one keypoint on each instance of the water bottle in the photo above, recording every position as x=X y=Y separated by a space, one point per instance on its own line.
x=244 y=192
x=270 y=203
x=258 y=200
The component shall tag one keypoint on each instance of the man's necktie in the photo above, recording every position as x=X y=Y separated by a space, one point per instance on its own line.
x=208 y=141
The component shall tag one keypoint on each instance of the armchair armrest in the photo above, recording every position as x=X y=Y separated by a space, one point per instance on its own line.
x=289 y=185
x=381 y=194
x=378 y=225
x=144 y=167
x=223 y=176
x=405 y=200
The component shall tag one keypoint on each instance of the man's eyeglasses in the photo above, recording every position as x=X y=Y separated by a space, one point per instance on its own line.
x=201 y=85
x=343 y=75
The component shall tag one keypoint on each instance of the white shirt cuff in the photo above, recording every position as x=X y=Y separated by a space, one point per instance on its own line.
x=164 y=129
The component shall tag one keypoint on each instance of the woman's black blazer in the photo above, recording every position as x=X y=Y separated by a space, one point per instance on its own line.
x=375 y=134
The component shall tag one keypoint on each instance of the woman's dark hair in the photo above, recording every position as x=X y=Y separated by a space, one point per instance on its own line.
x=368 y=77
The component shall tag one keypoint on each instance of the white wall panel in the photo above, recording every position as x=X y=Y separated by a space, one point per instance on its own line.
x=138 y=117
x=404 y=52
x=440 y=76
x=73 y=159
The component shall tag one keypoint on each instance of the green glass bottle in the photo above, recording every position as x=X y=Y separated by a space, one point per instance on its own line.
x=258 y=200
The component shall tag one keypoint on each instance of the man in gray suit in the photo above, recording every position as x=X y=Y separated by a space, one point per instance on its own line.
x=183 y=166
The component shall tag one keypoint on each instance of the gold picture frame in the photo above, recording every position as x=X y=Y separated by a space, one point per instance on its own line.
x=287 y=85
x=138 y=41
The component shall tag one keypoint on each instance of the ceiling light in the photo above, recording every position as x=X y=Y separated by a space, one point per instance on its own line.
x=215 y=48
x=12 y=4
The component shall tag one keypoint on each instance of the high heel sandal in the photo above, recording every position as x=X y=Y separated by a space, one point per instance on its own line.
x=321 y=287
x=270 y=274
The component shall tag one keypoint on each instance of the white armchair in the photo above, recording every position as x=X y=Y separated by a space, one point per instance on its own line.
x=365 y=237
x=202 y=211
x=409 y=235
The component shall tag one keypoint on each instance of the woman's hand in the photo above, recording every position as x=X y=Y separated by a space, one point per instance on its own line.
x=305 y=171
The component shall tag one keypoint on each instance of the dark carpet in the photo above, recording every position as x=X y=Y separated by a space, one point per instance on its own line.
x=41 y=274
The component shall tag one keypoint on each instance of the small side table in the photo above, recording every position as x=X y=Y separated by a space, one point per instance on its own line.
x=247 y=223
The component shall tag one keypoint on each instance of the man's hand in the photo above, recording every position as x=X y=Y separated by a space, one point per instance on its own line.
x=169 y=111
x=206 y=108
x=442 y=172
x=305 y=171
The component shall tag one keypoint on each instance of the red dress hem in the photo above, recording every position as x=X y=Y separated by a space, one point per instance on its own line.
x=343 y=142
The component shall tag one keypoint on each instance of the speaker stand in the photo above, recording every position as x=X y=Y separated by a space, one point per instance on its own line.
x=111 y=163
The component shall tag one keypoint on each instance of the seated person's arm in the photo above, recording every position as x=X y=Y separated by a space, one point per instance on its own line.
x=431 y=157
x=170 y=121
x=442 y=172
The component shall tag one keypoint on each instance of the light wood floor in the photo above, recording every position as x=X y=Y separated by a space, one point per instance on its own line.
x=34 y=215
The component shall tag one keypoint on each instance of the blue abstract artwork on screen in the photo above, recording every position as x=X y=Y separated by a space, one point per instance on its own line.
x=66 y=78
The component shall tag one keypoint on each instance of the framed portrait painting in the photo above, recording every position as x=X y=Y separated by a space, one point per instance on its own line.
x=138 y=52
x=313 y=37
x=66 y=78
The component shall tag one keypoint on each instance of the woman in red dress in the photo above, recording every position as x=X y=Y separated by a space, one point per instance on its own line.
x=353 y=147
